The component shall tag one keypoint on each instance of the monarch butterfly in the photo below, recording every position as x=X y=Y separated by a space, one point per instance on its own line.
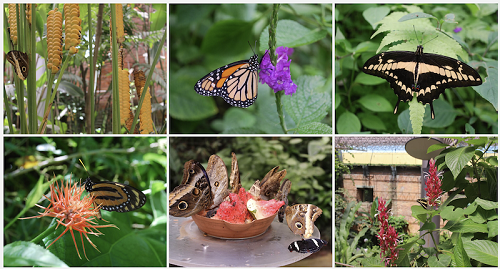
x=236 y=82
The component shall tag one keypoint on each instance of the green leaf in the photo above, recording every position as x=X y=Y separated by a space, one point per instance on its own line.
x=485 y=204
x=489 y=90
x=291 y=34
x=461 y=258
x=373 y=122
x=348 y=123
x=159 y=17
x=484 y=251
x=492 y=228
x=375 y=14
x=307 y=105
x=443 y=261
x=376 y=103
x=21 y=254
x=458 y=158
x=467 y=226
x=315 y=128
x=184 y=102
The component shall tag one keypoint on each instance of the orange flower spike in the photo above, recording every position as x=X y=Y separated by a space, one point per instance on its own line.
x=72 y=212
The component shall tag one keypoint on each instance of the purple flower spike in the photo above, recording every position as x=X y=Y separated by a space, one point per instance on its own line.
x=278 y=78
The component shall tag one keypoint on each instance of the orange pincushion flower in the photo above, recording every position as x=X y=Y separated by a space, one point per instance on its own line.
x=72 y=212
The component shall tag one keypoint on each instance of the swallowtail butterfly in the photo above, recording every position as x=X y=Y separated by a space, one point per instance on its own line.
x=426 y=74
x=423 y=202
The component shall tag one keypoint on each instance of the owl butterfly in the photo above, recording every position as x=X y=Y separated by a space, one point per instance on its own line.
x=200 y=189
x=20 y=62
x=269 y=186
x=193 y=194
x=309 y=245
x=300 y=218
x=282 y=195
x=234 y=178
x=217 y=174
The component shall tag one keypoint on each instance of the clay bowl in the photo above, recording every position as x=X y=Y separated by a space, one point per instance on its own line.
x=223 y=229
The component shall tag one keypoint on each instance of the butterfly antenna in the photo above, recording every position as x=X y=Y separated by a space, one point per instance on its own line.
x=84 y=167
x=251 y=46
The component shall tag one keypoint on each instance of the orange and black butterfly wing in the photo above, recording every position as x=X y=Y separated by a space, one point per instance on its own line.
x=113 y=196
x=236 y=83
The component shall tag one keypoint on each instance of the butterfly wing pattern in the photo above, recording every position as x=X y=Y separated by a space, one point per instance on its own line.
x=236 y=83
x=20 y=62
x=426 y=74
x=114 y=196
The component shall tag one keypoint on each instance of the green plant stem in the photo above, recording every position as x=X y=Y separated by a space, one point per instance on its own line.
x=148 y=79
x=32 y=111
x=91 y=78
x=44 y=234
x=114 y=56
x=18 y=82
x=272 y=54
x=8 y=110
x=65 y=158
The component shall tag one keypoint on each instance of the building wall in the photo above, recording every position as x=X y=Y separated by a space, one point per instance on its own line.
x=404 y=189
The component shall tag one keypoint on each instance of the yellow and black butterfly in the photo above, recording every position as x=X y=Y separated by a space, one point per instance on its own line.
x=423 y=202
x=236 y=82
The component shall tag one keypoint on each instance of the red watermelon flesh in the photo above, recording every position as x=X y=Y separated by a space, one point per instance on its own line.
x=234 y=210
x=268 y=208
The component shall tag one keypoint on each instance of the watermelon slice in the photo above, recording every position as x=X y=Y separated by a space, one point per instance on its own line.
x=243 y=208
x=263 y=209
x=234 y=210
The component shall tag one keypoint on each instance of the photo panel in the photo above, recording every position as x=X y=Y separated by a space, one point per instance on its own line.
x=256 y=201
x=71 y=72
x=85 y=201
x=399 y=198
x=416 y=69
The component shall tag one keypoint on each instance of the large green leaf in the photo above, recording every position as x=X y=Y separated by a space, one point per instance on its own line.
x=21 y=253
x=458 y=158
x=484 y=251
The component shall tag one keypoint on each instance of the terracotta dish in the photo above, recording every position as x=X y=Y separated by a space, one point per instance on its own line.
x=226 y=230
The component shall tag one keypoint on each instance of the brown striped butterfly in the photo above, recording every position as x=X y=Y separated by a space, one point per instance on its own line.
x=114 y=196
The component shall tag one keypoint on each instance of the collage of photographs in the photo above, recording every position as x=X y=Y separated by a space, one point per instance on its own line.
x=271 y=146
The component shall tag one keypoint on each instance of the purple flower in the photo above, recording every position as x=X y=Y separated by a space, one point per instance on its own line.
x=457 y=29
x=278 y=78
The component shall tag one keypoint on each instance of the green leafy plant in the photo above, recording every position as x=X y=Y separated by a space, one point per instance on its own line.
x=470 y=210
